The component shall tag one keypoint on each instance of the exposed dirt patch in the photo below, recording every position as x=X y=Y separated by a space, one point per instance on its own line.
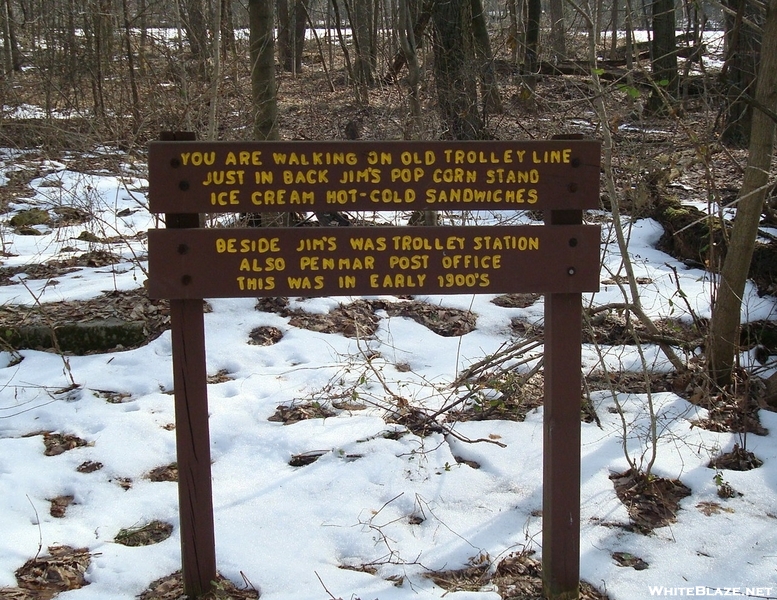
x=306 y=458
x=739 y=459
x=145 y=535
x=275 y=304
x=523 y=328
x=220 y=376
x=70 y=215
x=713 y=508
x=516 y=300
x=358 y=319
x=630 y=382
x=89 y=466
x=517 y=577
x=164 y=473
x=626 y=559
x=265 y=336
x=732 y=410
x=300 y=412
x=446 y=322
x=57 y=443
x=171 y=588
x=58 y=506
x=652 y=502
x=414 y=419
x=56 y=268
x=355 y=320
x=114 y=397
x=131 y=312
x=44 y=577
x=614 y=328
x=507 y=395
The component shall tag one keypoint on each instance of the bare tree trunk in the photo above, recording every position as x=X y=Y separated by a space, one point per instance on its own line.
x=360 y=17
x=195 y=25
x=285 y=53
x=491 y=101
x=724 y=328
x=227 y=26
x=361 y=93
x=558 y=30
x=419 y=26
x=216 y=75
x=262 y=55
x=739 y=69
x=292 y=24
x=531 y=57
x=131 y=69
x=265 y=107
x=614 y=19
x=300 y=28
x=456 y=80
x=408 y=46
x=513 y=36
x=11 y=42
x=664 y=60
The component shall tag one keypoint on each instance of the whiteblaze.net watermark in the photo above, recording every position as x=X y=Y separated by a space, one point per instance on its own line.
x=708 y=591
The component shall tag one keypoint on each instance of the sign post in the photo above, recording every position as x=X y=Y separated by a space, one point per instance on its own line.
x=560 y=259
x=192 y=432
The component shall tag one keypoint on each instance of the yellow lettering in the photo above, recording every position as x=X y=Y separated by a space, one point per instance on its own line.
x=226 y=245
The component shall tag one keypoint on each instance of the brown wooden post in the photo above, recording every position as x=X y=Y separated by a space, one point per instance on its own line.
x=561 y=436
x=192 y=431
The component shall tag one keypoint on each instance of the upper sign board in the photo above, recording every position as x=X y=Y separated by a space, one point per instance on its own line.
x=209 y=177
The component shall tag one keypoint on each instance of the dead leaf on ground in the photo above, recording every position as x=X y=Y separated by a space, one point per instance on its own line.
x=170 y=587
x=89 y=466
x=626 y=559
x=516 y=300
x=44 y=577
x=220 y=376
x=517 y=577
x=164 y=473
x=444 y=321
x=354 y=320
x=57 y=443
x=738 y=459
x=651 y=501
x=300 y=412
x=265 y=336
x=145 y=535
x=712 y=508
x=58 y=506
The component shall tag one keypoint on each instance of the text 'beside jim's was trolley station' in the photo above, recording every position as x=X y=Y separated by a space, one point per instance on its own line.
x=303 y=261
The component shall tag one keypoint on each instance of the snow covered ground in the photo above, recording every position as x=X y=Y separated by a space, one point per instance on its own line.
x=404 y=505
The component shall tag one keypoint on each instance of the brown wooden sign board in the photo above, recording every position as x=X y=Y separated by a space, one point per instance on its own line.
x=336 y=261
x=559 y=259
x=209 y=177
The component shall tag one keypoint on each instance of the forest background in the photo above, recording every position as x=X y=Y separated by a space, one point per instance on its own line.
x=683 y=96
x=108 y=72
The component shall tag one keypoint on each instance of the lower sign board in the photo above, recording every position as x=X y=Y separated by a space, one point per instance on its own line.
x=226 y=263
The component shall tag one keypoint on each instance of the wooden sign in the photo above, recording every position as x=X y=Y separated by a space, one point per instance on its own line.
x=336 y=261
x=560 y=259
x=209 y=177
